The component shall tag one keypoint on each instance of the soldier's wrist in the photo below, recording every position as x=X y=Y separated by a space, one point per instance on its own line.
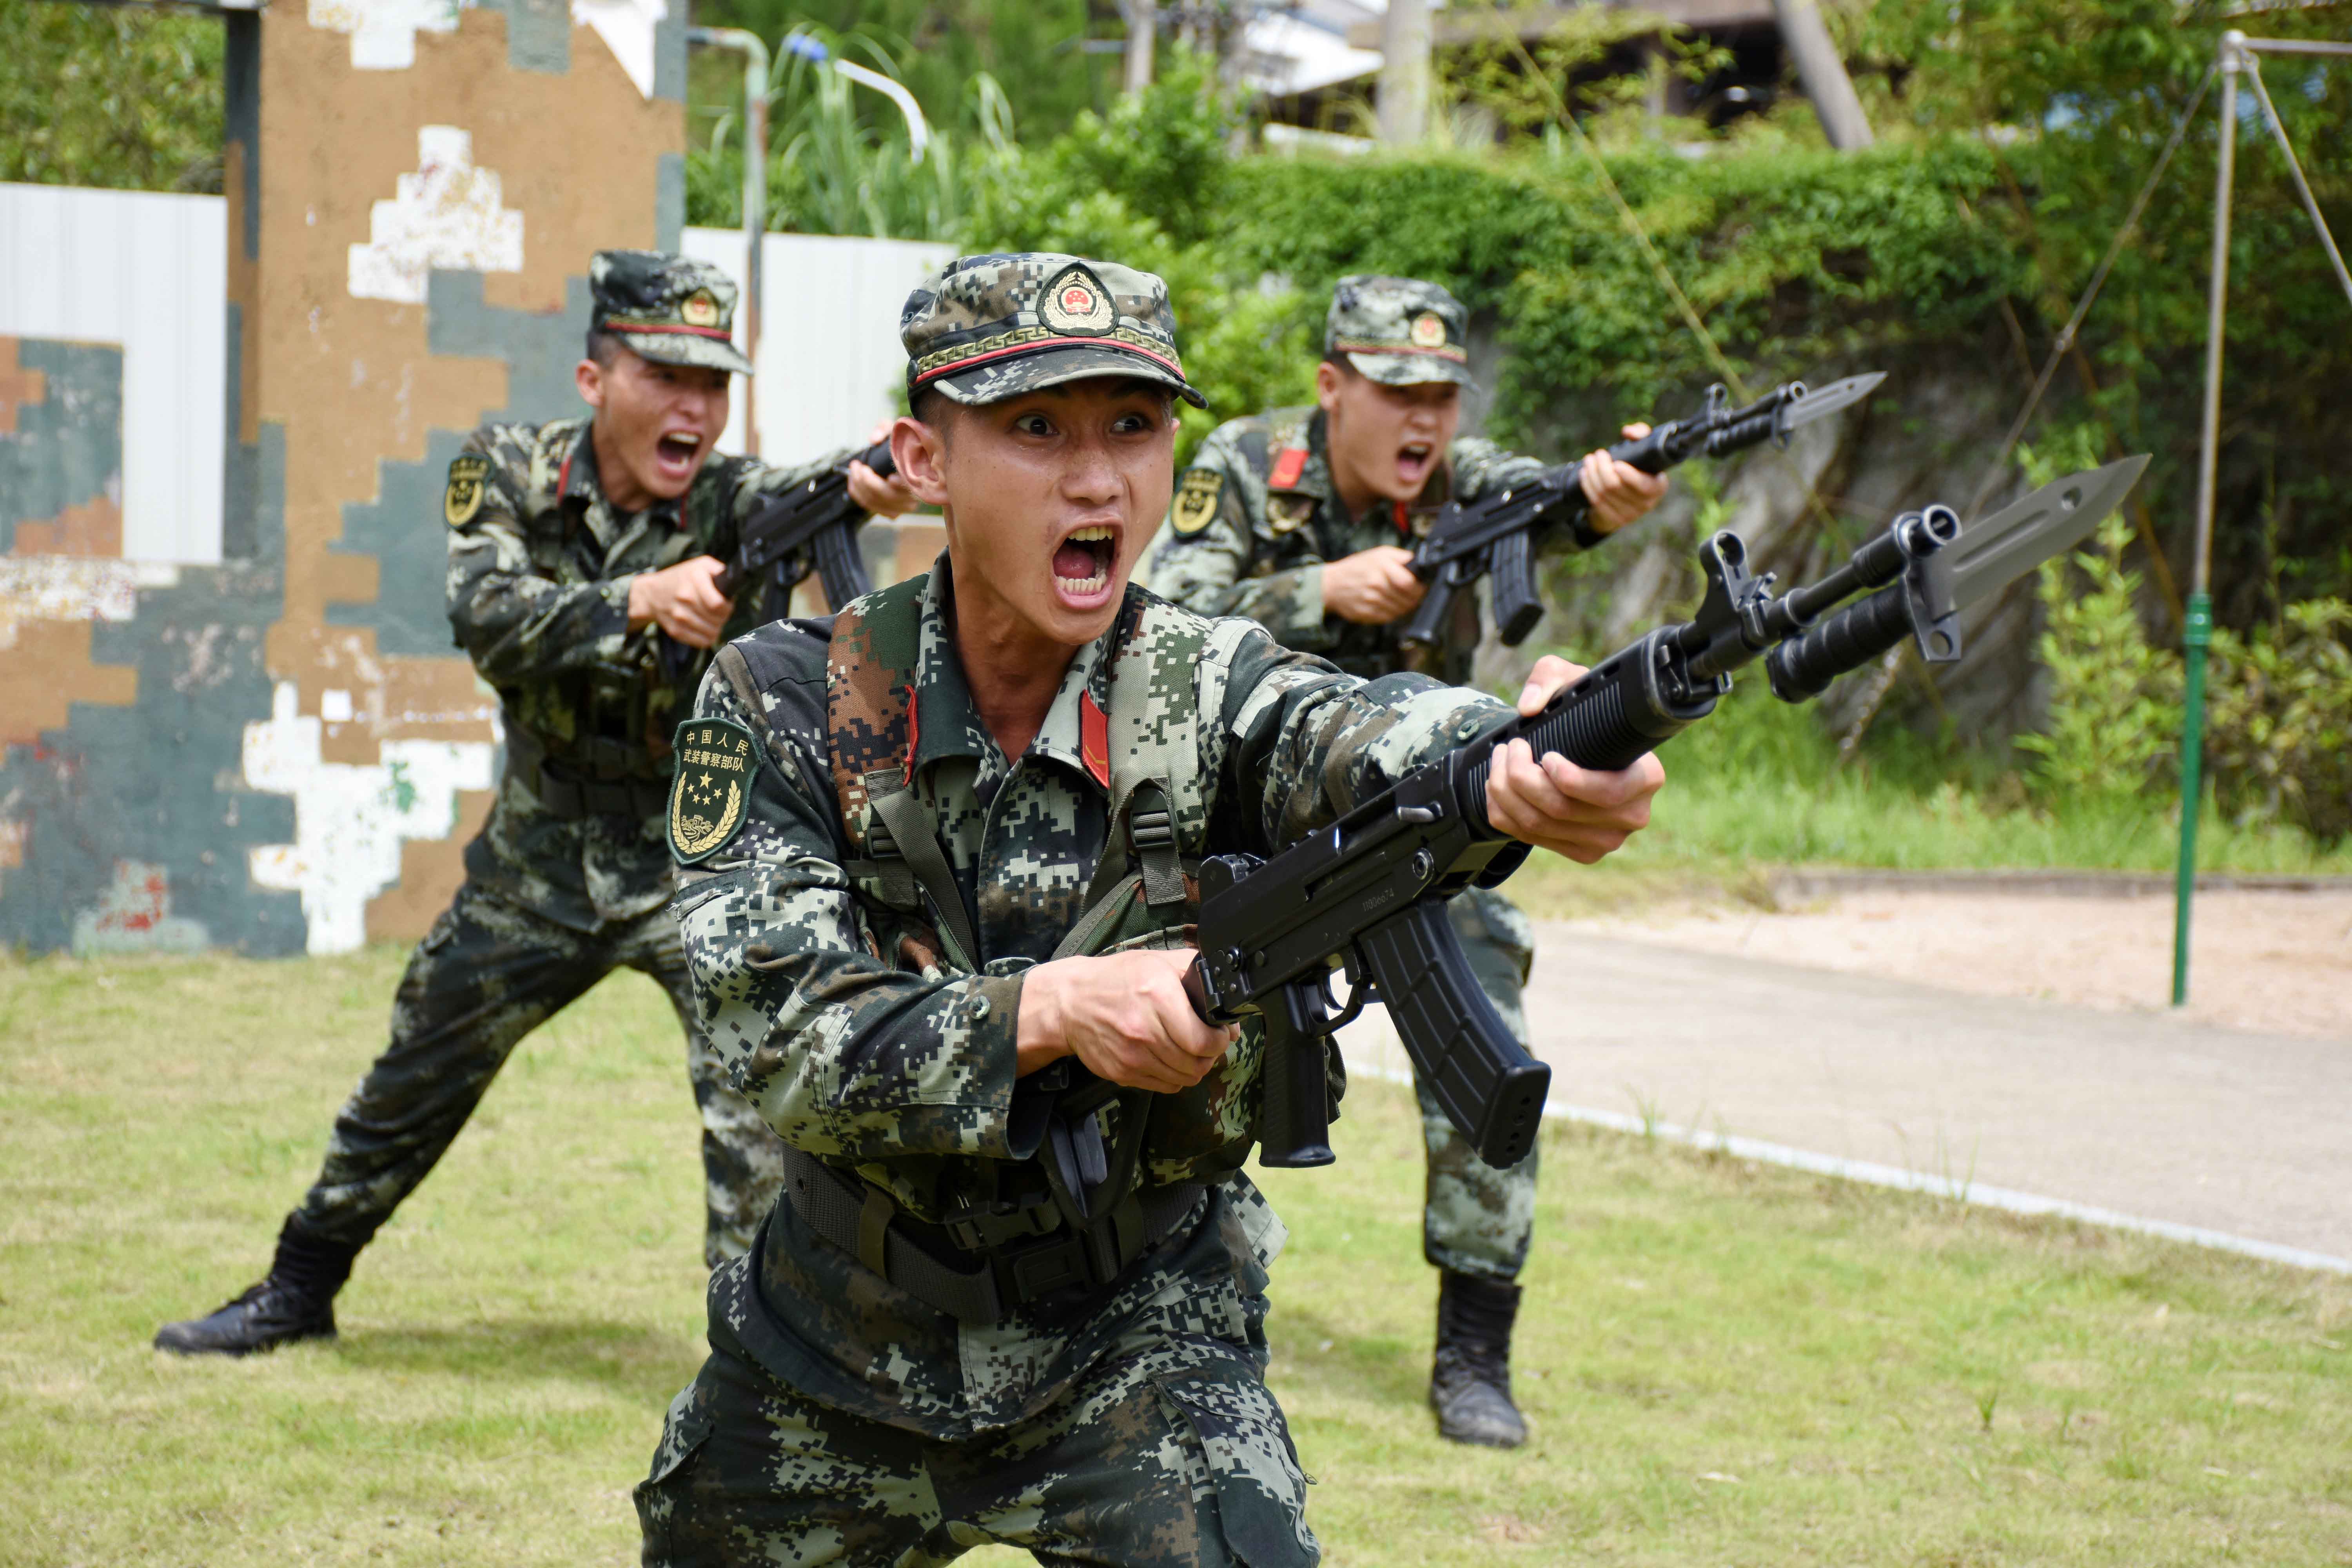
x=637 y=598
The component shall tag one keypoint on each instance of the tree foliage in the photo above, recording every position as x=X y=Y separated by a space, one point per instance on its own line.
x=99 y=96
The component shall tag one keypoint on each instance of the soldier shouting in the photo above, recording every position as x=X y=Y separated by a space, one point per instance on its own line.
x=935 y=897
x=571 y=546
x=1304 y=520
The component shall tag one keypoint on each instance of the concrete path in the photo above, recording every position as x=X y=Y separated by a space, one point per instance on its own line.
x=2221 y=1129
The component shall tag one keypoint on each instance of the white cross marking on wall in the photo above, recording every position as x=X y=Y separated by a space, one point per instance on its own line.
x=447 y=215
x=384 y=32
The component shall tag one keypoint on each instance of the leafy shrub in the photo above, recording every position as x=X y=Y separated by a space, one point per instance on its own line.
x=2115 y=701
x=2278 y=722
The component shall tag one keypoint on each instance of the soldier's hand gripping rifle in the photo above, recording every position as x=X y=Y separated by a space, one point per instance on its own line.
x=1493 y=536
x=810 y=527
x=1370 y=889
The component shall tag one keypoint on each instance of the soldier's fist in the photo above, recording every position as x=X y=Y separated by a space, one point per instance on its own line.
x=1124 y=1016
x=1551 y=803
x=684 y=600
x=1619 y=493
x=1373 y=587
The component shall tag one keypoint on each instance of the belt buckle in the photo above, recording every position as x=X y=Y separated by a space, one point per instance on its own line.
x=1050 y=1268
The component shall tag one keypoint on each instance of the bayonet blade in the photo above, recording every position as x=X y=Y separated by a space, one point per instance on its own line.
x=1820 y=402
x=1996 y=552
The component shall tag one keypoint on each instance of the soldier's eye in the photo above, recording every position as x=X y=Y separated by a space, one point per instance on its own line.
x=1034 y=425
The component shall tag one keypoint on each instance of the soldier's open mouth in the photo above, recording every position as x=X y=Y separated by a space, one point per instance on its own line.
x=676 y=449
x=1082 y=562
x=1414 y=460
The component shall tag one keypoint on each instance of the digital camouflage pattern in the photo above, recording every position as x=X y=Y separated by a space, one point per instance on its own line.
x=862 y=1042
x=540 y=564
x=666 y=307
x=1237 y=544
x=1399 y=331
x=540 y=569
x=992 y=327
x=487 y=974
x=1162 y=1450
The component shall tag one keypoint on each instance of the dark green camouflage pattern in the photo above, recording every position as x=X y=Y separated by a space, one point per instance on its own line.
x=668 y=308
x=1399 y=331
x=861 y=1044
x=1163 y=1449
x=1260 y=554
x=487 y=974
x=538 y=595
x=992 y=327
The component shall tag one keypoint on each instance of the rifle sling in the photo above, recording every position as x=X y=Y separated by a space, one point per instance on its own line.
x=918 y=849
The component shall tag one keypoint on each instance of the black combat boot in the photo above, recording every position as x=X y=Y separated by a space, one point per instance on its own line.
x=1470 y=1384
x=296 y=1301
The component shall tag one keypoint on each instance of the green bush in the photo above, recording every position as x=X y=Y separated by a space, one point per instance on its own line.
x=2115 y=701
x=2280 y=719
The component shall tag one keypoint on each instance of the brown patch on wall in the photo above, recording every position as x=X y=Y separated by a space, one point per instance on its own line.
x=353 y=382
x=45 y=670
x=92 y=530
x=429 y=868
x=920 y=543
x=19 y=387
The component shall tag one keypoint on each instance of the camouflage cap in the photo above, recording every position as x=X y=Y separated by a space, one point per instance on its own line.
x=992 y=327
x=1399 y=331
x=668 y=308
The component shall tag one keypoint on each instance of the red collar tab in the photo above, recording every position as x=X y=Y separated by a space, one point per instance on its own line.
x=1094 y=740
x=914 y=730
x=1403 y=517
x=563 y=476
x=1290 y=464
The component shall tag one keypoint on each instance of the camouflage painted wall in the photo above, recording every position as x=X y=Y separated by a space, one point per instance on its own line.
x=282 y=752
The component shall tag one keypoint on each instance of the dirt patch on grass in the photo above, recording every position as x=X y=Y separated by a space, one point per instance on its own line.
x=2281 y=962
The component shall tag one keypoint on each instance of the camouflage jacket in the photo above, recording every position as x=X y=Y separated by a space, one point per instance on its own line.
x=883 y=1056
x=1250 y=530
x=539 y=568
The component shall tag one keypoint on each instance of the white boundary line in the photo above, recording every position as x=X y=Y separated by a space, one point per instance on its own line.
x=1879 y=1175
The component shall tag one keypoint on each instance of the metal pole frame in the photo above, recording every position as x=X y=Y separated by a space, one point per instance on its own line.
x=755 y=197
x=2237 y=56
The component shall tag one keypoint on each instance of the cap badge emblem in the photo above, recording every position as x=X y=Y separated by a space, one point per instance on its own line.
x=1076 y=301
x=1428 y=331
x=700 y=309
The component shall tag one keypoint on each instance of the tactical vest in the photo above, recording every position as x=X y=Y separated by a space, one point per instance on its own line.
x=1118 y=1169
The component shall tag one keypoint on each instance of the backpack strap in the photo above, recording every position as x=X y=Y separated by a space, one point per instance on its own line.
x=902 y=836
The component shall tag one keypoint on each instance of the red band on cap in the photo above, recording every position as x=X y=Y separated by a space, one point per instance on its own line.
x=723 y=335
x=1044 y=344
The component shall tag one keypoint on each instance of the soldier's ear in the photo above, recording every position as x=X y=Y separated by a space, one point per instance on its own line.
x=920 y=452
x=589 y=377
x=1328 y=379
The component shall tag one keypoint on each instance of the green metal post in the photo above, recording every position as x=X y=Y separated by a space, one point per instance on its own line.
x=2195 y=640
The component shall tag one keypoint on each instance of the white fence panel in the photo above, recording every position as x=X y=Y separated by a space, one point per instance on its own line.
x=149 y=273
x=830 y=364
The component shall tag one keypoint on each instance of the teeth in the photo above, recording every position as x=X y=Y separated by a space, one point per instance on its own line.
x=1083 y=584
x=1087 y=535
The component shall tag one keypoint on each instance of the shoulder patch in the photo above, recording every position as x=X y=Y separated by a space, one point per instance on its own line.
x=463 y=498
x=1196 y=500
x=713 y=787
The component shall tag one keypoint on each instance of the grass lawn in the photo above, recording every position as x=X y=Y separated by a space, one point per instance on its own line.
x=1723 y=1364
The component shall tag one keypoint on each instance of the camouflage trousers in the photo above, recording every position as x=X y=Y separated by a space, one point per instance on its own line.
x=489 y=973
x=1476 y=1219
x=1168 y=1453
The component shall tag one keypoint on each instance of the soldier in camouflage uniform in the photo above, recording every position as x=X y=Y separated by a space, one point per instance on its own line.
x=573 y=547
x=1303 y=520
x=938 y=859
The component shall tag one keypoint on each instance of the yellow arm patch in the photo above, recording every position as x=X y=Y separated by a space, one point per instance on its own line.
x=1196 y=500
x=468 y=474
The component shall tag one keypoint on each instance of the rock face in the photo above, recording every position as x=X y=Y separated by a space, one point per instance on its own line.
x=1928 y=435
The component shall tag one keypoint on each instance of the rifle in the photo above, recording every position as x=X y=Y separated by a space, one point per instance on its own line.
x=813 y=526
x=1491 y=536
x=1369 y=891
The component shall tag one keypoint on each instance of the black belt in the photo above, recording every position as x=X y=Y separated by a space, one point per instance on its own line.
x=568 y=794
x=1015 y=1255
